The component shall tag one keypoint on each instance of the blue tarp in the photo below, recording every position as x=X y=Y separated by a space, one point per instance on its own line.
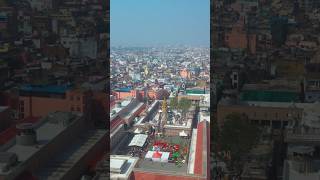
x=46 y=88
x=124 y=89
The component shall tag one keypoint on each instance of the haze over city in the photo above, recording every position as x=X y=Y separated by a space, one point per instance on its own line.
x=159 y=89
x=160 y=23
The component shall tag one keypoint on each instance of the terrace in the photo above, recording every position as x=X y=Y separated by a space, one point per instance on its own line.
x=168 y=153
x=165 y=154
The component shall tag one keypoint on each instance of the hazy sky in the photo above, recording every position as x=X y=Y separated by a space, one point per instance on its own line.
x=160 y=22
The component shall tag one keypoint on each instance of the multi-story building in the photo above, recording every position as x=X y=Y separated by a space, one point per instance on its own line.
x=38 y=101
x=272 y=91
x=121 y=167
x=308 y=5
x=239 y=38
x=39 y=5
x=38 y=148
x=82 y=46
x=303 y=137
x=312 y=82
x=273 y=114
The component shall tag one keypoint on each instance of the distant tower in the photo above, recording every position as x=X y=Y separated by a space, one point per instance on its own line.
x=146 y=71
x=164 y=105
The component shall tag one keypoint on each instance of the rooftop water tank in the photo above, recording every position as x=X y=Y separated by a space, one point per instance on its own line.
x=26 y=135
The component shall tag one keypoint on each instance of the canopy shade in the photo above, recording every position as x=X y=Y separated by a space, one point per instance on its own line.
x=138 y=140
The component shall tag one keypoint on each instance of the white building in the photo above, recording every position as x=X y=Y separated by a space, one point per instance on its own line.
x=40 y=5
x=24 y=23
x=303 y=137
x=121 y=167
x=80 y=47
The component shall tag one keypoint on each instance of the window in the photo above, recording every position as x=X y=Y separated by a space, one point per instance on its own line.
x=235 y=76
x=84 y=100
x=78 y=109
x=78 y=98
x=235 y=85
x=71 y=98
x=22 y=106
x=72 y=108
x=21 y=115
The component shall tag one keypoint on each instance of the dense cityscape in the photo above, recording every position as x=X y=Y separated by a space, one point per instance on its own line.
x=265 y=86
x=245 y=108
x=160 y=112
x=53 y=103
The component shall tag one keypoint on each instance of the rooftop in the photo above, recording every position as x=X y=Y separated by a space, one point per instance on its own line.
x=128 y=106
x=173 y=166
x=269 y=95
x=62 y=163
x=148 y=165
x=121 y=166
x=230 y=102
x=125 y=89
x=204 y=116
x=45 y=133
x=46 y=130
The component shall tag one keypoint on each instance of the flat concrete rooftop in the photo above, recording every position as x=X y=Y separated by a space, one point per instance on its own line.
x=63 y=162
x=47 y=129
x=148 y=165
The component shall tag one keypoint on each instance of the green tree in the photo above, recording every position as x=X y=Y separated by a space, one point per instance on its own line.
x=238 y=136
x=174 y=103
x=184 y=105
x=201 y=83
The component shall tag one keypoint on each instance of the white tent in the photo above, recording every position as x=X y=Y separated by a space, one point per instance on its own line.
x=156 y=156
x=165 y=156
x=138 y=140
x=183 y=134
x=137 y=131
x=149 y=155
